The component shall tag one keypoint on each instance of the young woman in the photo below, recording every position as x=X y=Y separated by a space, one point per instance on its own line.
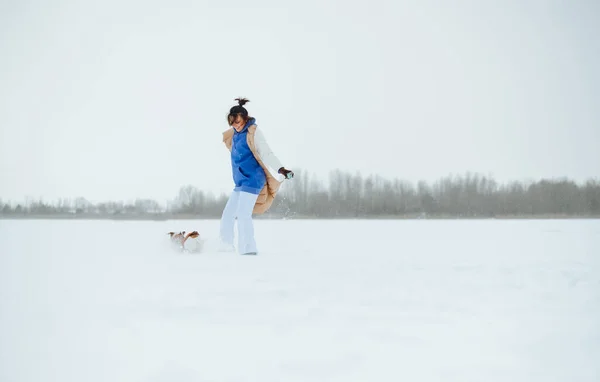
x=252 y=161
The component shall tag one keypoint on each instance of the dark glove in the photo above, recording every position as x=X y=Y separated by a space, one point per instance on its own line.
x=287 y=173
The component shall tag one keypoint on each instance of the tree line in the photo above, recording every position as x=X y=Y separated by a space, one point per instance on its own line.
x=352 y=195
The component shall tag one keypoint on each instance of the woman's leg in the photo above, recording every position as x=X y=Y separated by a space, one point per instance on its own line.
x=228 y=219
x=247 y=244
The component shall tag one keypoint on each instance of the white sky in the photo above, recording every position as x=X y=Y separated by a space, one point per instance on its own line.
x=125 y=99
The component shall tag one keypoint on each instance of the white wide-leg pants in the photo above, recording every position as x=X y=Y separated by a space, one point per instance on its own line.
x=240 y=206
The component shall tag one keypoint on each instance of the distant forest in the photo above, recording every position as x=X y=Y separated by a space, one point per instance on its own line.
x=352 y=195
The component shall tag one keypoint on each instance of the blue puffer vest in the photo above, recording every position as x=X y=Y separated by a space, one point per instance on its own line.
x=248 y=175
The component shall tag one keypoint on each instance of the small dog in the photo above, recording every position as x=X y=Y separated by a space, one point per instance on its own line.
x=179 y=239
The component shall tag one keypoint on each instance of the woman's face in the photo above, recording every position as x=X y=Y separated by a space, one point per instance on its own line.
x=238 y=123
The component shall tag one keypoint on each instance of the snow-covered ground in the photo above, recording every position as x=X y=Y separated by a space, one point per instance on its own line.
x=87 y=301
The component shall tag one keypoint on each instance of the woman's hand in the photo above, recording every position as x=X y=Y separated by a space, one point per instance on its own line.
x=287 y=173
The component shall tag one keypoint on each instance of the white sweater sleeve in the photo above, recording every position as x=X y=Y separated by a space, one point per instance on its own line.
x=265 y=152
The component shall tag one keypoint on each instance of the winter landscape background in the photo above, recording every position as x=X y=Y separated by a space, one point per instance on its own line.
x=443 y=224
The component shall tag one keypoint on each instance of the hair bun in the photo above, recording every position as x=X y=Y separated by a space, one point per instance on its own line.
x=242 y=101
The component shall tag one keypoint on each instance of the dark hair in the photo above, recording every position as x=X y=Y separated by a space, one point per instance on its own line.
x=238 y=110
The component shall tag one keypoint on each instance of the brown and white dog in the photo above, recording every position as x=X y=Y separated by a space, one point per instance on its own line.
x=180 y=239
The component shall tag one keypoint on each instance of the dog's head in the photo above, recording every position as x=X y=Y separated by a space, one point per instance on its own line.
x=175 y=236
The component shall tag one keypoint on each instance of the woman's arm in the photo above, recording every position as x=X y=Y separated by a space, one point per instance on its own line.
x=264 y=151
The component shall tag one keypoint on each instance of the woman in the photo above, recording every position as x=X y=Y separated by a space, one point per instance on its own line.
x=255 y=186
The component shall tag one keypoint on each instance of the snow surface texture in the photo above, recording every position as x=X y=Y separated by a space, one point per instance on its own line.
x=323 y=301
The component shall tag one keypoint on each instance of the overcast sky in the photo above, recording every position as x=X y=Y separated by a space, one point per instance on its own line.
x=128 y=98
